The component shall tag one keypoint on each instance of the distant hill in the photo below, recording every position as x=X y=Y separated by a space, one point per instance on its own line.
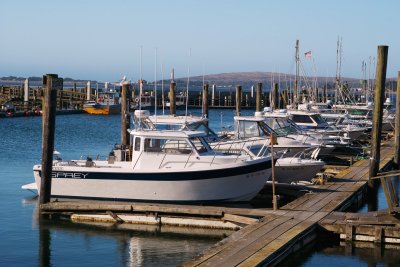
x=36 y=79
x=245 y=79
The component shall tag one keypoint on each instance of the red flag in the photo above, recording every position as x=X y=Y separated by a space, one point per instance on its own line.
x=308 y=54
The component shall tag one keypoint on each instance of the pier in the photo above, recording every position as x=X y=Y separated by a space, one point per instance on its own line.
x=266 y=236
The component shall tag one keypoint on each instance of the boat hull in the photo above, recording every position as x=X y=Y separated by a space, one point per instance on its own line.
x=240 y=183
x=102 y=109
x=294 y=170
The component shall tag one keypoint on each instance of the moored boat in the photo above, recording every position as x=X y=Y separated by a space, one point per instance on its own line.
x=105 y=104
x=161 y=166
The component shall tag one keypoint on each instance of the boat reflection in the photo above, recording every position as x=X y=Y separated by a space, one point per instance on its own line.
x=133 y=244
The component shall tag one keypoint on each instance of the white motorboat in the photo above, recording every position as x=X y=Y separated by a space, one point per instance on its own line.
x=161 y=166
x=253 y=139
x=295 y=169
x=255 y=127
x=314 y=122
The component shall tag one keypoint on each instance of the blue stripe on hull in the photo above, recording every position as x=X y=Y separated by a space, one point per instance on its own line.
x=163 y=176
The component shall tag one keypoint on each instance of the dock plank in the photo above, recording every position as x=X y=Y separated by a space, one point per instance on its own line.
x=235 y=254
x=270 y=241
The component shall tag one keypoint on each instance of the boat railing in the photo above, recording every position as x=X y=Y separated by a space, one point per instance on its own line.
x=242 y=149
x=98 y=157
x=187 y=161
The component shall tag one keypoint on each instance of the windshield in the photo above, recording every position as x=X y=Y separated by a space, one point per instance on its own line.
x=281 y=126
x=259 y=150
x=199 y=144
x=318 y=118
x=210 y=137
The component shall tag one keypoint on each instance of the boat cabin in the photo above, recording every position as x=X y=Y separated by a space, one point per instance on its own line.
x=308 y=120
x=252 y=126
x=169 y=142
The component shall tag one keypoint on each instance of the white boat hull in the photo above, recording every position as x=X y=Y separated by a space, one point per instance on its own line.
x=239 y=183
x=289 y=170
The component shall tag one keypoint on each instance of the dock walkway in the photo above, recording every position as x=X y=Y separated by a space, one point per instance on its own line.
x=282 y=232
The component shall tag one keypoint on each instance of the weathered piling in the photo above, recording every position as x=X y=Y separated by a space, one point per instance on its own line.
x=52 y=83
x=26 y=94
x=285 y=98
x=397 y=126
x=378 y=109
x=172 y=100
x=214 y=87
x=258 y=97
x=205 y=101
x=88 y=91
x=124 y=114
x=238 y=99
x=275 y=97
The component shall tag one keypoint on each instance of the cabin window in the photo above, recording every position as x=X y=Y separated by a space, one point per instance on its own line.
x=198 y=144
x=266 y=130
x=169 y=146
x=168 y=126
x=248 y=129
x=301 y=118
x=211 y=136
x=318 y=118
x=258 y=150
x=152 y=145
x=137 y=143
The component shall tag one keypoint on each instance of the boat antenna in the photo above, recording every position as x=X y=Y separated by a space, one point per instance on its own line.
x=204 y=70
x=140 y=81
x=296 y=79
x=155 y=84
x=187 y=86
x=162 y=88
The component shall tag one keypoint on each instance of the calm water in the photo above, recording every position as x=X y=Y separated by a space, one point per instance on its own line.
x=27 y=241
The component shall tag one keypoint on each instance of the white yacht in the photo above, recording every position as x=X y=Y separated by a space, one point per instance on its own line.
x=161 y=166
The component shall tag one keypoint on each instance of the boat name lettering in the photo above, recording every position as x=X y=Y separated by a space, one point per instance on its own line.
x=73 y=175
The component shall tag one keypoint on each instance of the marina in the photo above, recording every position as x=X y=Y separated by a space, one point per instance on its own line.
x=263 y=236
x=199 y=133
x=70 y=146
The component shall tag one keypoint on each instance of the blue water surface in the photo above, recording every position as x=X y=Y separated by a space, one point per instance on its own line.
x=26 y=240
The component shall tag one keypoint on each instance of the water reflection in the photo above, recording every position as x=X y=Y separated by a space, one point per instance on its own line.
x=328 y=250
x=94 y=244
x=44 y=244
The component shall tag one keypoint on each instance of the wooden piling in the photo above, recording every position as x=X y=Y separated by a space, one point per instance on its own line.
x=378 y=109
x=258 y=97
x=124 y=114
x=213 y=95
x=275 y=97
x=205 y=101
x=51 y=84
x=238 y=99
x=285 y=98
x=172 y=100
x=26 y=94
x=88 y=91
x=397 y=126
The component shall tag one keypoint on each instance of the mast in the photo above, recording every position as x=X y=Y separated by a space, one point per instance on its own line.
x=338 y=68
x=296 y=79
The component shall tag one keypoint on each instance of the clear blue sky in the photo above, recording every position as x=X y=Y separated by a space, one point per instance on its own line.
x=101 y=40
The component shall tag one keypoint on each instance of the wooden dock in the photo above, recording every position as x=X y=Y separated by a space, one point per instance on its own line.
x=278 y=234
x=266 y=236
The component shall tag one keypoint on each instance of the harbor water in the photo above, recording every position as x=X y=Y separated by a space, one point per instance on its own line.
x=27 y=240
